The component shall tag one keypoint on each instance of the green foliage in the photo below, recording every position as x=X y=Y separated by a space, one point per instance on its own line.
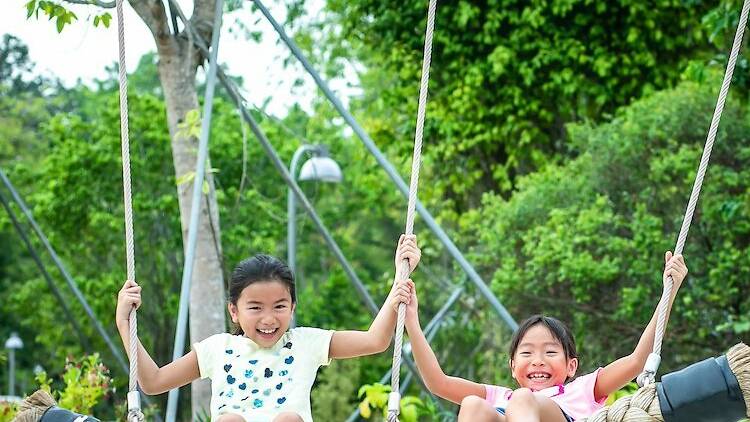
x=333 y=396
x=86 y=381
x=375 y=397
x=581 y=238
x=506 y=77
x=16 y=67
x=191 y=126
x=104 y=19
x=53 y=10
x=584 y=241
x=7 y=411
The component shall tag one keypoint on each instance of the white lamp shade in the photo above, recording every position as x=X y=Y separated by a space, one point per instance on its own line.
x=323 y=169
x=14 y=342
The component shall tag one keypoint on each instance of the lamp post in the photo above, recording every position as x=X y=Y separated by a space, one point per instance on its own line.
x=319 y=167
x=12 y=344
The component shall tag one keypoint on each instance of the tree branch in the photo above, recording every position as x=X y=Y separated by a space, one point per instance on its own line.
x=104 y=4
x=203 y=17
x=155 y=16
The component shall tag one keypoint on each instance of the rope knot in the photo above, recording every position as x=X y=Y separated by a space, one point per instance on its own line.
x=643 y=406
x=135 y=415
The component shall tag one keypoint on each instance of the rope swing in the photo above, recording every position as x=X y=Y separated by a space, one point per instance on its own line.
x=725 y=381
x=134 y=405
x=677 y=398
x=654 y=359
x=394 y=399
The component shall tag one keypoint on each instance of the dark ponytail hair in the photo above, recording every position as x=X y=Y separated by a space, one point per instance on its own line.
x=559 y=331
x=260 y=268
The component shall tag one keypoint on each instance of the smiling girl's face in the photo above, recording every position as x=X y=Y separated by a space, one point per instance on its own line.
x=264 y=311
x=540 y=360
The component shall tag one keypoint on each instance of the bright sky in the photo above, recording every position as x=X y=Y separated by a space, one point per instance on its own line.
x=83 y=51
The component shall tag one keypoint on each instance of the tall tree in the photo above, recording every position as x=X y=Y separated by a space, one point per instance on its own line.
x=178 y=61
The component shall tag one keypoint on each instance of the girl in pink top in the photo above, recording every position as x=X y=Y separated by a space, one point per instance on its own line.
x=543 y=361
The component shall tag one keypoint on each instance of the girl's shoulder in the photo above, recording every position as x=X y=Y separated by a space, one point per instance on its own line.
x=309 y=333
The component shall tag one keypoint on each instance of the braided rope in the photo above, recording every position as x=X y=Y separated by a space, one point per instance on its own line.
x=134 y=410
x=649 y=373
x=395 y=398
x=642 y=406
x=739 y=362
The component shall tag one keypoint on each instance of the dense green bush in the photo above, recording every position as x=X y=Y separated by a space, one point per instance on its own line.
x=585 y=240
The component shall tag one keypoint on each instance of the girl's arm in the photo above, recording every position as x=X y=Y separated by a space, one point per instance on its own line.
x=152 y=379
x=450 y=388
x=618 y=373
x=349 y=344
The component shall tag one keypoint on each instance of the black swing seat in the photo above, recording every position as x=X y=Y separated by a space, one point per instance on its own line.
x=705 y=391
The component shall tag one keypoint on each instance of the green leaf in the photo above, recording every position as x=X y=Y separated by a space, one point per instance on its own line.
x=106 y=18
x=30 y=8
x=60 y=24
x=185 y=178
x=96 y=21
x=364 y=408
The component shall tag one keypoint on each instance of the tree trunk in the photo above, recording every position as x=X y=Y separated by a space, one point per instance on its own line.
x=207 y=297
x=178 y=62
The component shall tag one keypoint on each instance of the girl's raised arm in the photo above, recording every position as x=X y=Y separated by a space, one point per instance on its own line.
x=620 y=372
x=448 y=387
x=151 y=378
x=349 y=344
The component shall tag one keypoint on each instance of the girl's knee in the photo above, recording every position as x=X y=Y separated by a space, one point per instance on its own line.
x=473 y=403
x=522 y=400
x=475 y=408
x=287 y=417
x=230 y=417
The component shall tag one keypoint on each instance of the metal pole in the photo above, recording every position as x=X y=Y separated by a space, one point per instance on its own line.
x=291 y=223
x=391 y=171
x=11 y=372
x=291 y=209
x=200 y=169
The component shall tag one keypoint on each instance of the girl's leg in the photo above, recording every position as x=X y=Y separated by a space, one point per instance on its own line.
x=287 y=417
x=476 y=409
x=525 y=406
x=230 y=417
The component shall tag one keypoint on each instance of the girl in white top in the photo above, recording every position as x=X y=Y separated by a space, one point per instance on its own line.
x=264 y=371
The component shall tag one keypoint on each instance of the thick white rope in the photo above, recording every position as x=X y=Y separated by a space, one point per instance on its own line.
x=134 y=407
x=652 y=365
x=394 y=399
